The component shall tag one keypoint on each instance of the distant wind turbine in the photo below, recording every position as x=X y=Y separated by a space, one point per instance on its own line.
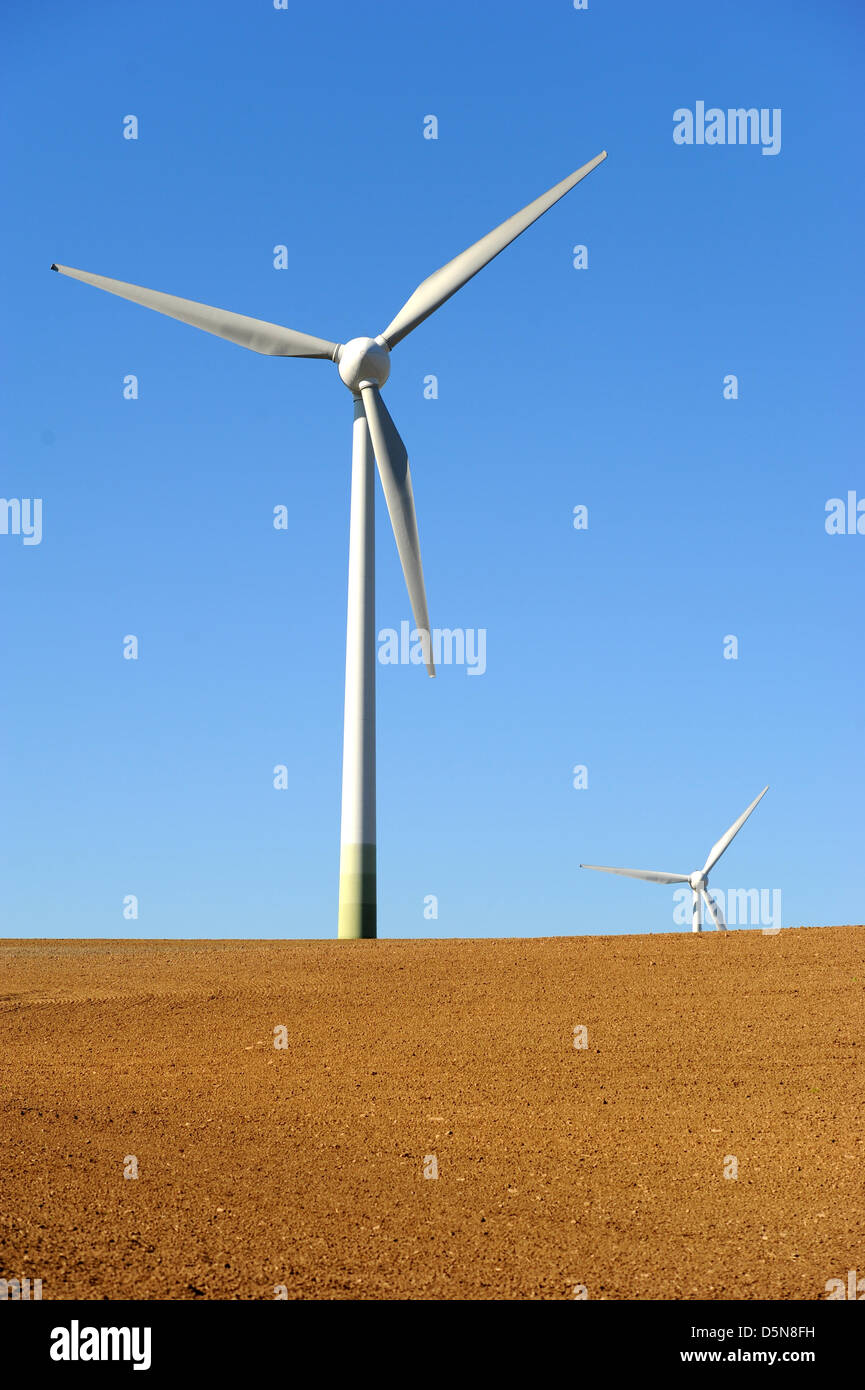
x=699 y=879
x=364 y=366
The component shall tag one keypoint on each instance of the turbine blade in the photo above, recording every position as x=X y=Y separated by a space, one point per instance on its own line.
x=257 y=334
x=715 y=912
x=648 y=874
x=720 y=845
x=393 y=469
x=439 y=286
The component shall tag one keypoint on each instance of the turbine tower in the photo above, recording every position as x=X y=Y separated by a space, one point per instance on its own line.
x=364 y=367
x=699 y=879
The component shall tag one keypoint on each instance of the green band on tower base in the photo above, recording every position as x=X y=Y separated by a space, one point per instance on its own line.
x=357 y=895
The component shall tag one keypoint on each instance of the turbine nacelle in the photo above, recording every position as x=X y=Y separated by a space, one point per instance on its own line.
x=363 y=361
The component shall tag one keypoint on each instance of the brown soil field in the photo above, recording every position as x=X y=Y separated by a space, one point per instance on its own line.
x=608 y=1166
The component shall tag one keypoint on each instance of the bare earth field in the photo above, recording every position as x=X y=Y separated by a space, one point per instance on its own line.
x=558 y=1165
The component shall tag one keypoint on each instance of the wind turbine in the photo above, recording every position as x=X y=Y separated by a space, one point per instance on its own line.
x=699 y=879
x=364 y=367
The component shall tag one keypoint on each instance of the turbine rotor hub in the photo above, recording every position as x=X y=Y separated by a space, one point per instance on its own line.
x=698 y=881
x=362 y=361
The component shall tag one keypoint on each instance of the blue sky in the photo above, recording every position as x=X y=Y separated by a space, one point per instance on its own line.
x=557 y=387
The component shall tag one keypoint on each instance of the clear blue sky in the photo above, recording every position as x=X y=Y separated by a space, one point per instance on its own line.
x=556 y=387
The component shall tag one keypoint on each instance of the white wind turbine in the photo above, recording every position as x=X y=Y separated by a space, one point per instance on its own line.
x=699 y=879
x=364 y=366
